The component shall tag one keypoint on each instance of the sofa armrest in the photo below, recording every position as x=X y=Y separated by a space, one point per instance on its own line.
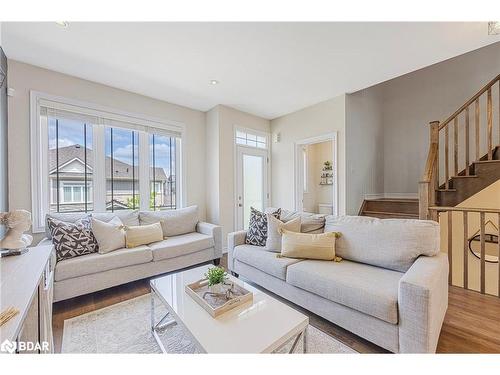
x=234 y=239
x=422 y=302
x=216 y=232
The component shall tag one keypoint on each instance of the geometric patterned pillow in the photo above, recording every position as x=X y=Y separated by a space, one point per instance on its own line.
x=257 y=228
x=72 y=239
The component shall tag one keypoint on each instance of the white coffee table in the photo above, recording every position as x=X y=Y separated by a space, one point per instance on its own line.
x=265 y=325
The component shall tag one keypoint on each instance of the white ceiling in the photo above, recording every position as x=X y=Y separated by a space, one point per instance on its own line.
x=268 y=69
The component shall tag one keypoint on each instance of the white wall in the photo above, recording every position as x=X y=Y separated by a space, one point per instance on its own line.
x=319 y=119
x=24 y=77
x=364 y=147
x=221 y=121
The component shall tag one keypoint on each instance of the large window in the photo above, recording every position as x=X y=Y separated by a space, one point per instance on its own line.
x=87 y=160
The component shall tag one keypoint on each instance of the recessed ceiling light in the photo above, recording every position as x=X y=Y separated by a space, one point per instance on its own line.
x=214 y=82
x=494 y=28
x=63 y=24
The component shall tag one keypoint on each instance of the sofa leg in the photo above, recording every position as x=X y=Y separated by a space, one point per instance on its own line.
x=235 y=274
x=216 y=262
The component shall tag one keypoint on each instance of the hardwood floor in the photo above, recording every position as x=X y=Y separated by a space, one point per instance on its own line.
x=471 y=325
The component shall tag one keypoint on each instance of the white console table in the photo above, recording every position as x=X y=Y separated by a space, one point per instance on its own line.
x=26 y=284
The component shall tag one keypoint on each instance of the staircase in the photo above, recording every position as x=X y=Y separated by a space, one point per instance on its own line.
x=463 y=159
x=389 y=208
x=479 y=175
x=464 y=153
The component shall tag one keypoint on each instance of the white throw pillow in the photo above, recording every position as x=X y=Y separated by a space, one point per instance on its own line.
x=274 y=231
x=110 y=236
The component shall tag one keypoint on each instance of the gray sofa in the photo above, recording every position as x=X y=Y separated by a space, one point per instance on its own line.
x=391 y=287
x=93 y=272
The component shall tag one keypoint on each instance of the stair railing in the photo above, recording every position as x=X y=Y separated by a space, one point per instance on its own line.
x=477 y=268
x=437 y=174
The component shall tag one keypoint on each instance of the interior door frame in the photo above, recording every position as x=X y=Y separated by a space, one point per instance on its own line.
x=267 y=182
x=298 y=175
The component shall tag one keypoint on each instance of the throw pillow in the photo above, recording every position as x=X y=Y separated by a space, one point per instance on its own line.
x=72 y=239
x=143 y=234
x=257 y=228
x=308 y=246
x=110 y=236
x=274 y=226
x=173 y=222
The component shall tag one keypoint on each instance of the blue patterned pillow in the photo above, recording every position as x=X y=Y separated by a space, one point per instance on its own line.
x=257 y=228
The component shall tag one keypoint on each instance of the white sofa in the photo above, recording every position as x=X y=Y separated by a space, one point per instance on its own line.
x=89 y=273
x=391 y=287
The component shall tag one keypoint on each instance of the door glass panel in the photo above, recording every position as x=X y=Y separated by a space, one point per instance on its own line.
x=253 y=194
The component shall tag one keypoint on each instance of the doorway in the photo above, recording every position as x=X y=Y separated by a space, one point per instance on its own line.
x=251 y=182
x=316 y=183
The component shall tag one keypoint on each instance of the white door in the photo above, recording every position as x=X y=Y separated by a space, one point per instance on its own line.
x=252 y=184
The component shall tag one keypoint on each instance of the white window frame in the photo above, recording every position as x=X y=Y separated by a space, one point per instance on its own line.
x=145 y=125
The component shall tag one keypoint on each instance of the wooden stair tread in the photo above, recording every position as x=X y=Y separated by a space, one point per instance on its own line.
x=396 y=200
x=486 y=161
x=389 y=213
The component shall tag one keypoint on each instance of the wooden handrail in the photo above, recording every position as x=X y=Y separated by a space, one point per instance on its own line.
x=469 y=102
x=465 y=209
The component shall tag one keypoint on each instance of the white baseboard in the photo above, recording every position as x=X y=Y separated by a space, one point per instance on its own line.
x=392 y=195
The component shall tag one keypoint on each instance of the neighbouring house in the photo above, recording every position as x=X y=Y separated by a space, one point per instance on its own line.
x=71 y=168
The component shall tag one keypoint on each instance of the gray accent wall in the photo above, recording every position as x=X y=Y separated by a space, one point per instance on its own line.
x=4 y=202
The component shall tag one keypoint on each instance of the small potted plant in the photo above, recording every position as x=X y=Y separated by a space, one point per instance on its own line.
x=216 y=277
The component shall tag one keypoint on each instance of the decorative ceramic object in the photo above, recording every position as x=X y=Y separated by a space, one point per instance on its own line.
x=16 y=222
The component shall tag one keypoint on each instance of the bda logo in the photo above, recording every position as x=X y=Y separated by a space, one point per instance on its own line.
x=8 y=346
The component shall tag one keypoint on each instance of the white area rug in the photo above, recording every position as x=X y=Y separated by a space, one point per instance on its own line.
x=125 y=328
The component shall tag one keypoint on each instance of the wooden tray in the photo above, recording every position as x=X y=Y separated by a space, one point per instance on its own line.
x=217 y=305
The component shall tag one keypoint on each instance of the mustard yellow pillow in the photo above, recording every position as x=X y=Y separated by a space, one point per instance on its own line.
x=143 y=234
x=319 y=246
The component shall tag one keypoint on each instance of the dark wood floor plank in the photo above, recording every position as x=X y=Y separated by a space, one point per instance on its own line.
x=471 y=325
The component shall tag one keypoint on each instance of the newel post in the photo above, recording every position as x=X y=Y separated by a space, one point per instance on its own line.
x=430 y=182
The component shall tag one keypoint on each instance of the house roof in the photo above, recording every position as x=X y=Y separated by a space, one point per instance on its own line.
x=120 y=169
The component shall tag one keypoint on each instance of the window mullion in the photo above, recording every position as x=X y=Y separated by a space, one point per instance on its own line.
x=144 y=168
x=98 y=172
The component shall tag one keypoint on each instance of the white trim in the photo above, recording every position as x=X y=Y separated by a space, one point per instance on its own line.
x=391 y=195
x=69 y=162
x=298 y=186
x=97 y=110
x=99 y=172
x=144 y=171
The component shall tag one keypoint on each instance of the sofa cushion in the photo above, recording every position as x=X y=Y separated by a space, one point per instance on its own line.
x=368 y=289
x=388 y=243
x=127 y=217
x=95 y=263
x=180 y=245
x=310 y=223
x=173 y=222
x=265 y=261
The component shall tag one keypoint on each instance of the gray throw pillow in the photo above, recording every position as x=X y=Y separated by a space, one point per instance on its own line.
x=72 y=239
